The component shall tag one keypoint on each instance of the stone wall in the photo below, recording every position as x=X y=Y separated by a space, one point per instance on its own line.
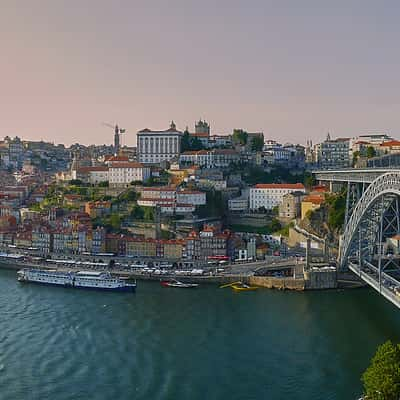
x=321 y=278
x=277 y=283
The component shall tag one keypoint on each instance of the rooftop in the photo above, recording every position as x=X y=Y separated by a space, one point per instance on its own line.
x=295 y=186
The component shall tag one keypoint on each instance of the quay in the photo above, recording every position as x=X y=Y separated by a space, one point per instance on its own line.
x=283 y=275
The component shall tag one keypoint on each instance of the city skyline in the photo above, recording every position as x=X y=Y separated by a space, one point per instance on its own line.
x=294 y=72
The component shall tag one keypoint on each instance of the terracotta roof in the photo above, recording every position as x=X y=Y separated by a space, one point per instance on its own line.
x=118 y=158
x=315 y=199
x=84 y=170
x=156 y=200
x=320 y=188
x=159 y=189
x=279 y=186
x=166 y=131
x=202 y=134
x=128 y=165
x=391 y=143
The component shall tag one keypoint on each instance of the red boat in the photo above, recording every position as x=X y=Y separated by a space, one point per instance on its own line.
x=176 y=284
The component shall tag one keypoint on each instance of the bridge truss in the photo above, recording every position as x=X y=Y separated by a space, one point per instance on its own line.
x=372 y=221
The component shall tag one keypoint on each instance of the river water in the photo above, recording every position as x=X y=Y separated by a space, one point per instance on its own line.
x=206 y=343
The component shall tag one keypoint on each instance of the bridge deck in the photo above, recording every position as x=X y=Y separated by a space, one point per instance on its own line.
x=387 y=287
x=359 y=175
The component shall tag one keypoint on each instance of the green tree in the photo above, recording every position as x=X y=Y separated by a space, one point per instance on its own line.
x=104 y=184
x=356 y=156
x=148 y=214
x=336 y=210
x=137 y=212
x=371 y=152
x=76 y=182
x=275 y=225
x=185 y=141
x=382 y=378
x=257 y=143
x=115 y=222
x=190 y=143
x=239 y=136
x=309 y=180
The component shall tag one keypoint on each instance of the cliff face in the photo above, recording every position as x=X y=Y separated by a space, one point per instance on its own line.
x=317 y=222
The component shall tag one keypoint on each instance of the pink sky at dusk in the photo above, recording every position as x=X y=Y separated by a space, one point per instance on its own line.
x=293 y=70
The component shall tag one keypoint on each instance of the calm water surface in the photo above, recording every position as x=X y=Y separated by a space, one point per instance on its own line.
x=206 y=343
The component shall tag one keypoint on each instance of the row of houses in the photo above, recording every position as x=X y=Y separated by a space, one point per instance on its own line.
x=67 y=241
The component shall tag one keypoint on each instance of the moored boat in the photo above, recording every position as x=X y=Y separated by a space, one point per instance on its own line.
x=239 y=286
x=177 y=284
x=101 y=280
x=243 y=287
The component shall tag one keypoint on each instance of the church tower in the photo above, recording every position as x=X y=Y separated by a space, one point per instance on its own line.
x=116 y=139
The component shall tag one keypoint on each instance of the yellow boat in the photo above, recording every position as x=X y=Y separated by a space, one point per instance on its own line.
x=242 y=287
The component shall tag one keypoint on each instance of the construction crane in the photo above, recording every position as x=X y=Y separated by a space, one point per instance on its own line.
x=117 y=135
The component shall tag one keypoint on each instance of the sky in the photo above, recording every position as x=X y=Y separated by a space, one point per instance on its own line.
x=292 y=69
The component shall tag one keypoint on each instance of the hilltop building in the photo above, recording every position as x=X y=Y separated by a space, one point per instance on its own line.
x=154 y=147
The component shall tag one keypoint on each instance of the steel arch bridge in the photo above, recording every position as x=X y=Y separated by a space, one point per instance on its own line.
x=369 y=245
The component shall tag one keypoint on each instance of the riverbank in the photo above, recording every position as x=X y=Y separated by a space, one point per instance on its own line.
x=316 y=280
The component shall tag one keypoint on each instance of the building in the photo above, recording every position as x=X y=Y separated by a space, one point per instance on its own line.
x=216 y=158
x=97 y=208
x=271 y=195
x=375 y=138
x=154 y=147
x=194 y=197
x=98 y=240
x=42 y=239
x=172 y=201
x=92 y=175
x=208 y=244
x=290 y=207
x=333 y=153
x=390 y=147
x=122 y=174
x=202 y=133
x=141 y=247
x=310 y=203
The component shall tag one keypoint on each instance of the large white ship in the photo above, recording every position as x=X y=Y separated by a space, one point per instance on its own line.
x=80 y=279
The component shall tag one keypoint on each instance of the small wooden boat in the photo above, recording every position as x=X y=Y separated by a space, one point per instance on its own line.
x=177 y=284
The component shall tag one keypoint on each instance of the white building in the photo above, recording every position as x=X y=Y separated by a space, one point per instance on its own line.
x=218 y=158
x=194 y=197
x=154 y=147
x=171 y=200
x=239 y=204
x=271 y=195
x=124 y=173
x=163 y=192
x=92 y=175
x=167 y=206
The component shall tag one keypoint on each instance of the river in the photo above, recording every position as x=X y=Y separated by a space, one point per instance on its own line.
x=204 y=343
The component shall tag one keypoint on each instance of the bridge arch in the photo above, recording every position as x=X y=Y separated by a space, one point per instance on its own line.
x=361 y=234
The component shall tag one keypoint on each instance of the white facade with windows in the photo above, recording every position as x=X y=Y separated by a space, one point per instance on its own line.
x=194 y=197
x=125 y=173
x=154 y=147
x=271 y=195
